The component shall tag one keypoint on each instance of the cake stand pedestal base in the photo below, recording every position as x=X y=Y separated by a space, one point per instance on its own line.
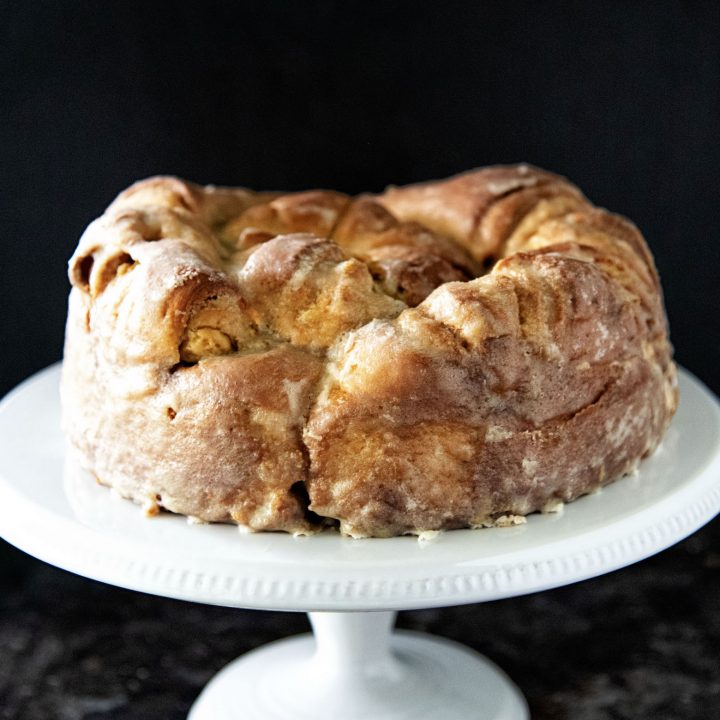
x=356 y=668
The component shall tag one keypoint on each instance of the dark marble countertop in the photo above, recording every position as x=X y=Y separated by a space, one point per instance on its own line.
x=642 y=642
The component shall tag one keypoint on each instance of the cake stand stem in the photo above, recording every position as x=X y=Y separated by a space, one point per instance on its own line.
x=353 y=645
x=356 y=668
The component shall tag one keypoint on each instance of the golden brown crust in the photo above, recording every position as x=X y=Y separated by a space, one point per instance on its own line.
x=308 y=292
x=456 y=207
x=315 y=212
x=230 y=354
x=408 y=260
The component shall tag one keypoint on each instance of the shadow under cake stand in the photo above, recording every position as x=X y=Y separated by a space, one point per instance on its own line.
x=355 y=667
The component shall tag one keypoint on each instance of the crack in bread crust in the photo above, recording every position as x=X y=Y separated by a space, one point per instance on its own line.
x=289 y=361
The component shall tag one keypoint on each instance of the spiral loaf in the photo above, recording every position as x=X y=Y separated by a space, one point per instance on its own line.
x=445 y=355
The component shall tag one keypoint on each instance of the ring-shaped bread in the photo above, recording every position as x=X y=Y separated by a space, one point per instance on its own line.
x=445 y=355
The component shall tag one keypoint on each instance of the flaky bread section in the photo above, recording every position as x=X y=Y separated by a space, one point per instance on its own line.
x=191 y=363
x=286 y=360
x=479 y=209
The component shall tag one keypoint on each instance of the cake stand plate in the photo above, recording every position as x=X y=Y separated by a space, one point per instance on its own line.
x=355 y=666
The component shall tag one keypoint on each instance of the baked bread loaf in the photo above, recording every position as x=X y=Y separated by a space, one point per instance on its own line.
x=445 y=355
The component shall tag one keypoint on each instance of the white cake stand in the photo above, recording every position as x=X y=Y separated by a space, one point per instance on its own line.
x=354 y=668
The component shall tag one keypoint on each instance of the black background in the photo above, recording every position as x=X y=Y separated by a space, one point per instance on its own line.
x=623 y=98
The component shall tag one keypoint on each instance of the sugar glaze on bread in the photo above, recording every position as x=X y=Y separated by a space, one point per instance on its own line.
x=444 y=355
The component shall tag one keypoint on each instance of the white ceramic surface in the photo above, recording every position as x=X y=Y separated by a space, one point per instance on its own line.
x=54 y=511
x=354 y=668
